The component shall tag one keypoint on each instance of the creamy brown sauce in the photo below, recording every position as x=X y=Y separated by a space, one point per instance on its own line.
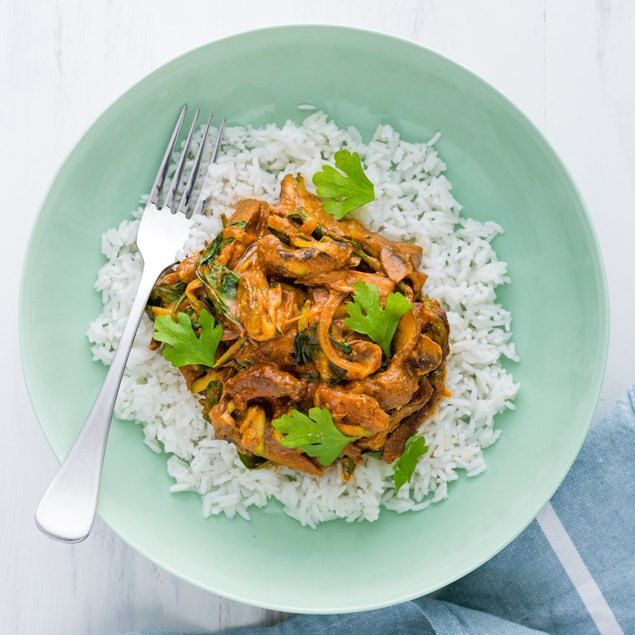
x=278 y=279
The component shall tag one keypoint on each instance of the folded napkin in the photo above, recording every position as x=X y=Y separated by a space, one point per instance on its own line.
x=571 y=572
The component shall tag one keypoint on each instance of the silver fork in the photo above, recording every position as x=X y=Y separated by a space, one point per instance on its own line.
x=67 y=510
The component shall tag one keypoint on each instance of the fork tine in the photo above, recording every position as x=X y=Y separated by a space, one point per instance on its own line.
x=176 y=179
x=219 y=137
x=163 y=169
x=187 y=193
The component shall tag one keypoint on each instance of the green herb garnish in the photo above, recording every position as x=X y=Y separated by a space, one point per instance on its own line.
x=405 y=465
x=305 y=346
x=212 y=250
x=341 y=194
x=366 y=315
x=316 y=435
x=253 y=462
x=229 y=284
x=345 y=347
x=337 y=373
x=183 y=347
x=213 y=394
x=164 y=294
x=298 y=215
x=221 y=286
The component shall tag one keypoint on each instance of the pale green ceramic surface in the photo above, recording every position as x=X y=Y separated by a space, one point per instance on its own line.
x=501 y=168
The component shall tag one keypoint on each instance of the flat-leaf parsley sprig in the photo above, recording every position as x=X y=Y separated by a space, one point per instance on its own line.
x=405 y=465
x=342 y=193
x=316 y=435
x=183 y=347
x=367 y=316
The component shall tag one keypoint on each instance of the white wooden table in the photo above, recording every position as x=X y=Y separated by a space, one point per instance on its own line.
x=568 y=64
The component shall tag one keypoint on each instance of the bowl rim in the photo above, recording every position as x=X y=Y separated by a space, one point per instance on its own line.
x=603 y=309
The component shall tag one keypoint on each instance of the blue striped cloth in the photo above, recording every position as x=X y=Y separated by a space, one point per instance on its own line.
x=571 y=572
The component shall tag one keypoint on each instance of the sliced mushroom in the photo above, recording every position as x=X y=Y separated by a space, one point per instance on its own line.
x=263 y=381
x=311 y=256
x=354 y=414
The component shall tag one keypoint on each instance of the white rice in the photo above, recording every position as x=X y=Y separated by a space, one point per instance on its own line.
x=414 y=203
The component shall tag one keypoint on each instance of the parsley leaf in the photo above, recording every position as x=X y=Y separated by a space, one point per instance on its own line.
x=183 y=347
x=316 y=434
x=342 y=194
x=405 y=465
x=367 y=316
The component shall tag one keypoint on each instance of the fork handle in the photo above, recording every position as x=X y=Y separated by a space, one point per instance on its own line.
x=67 y=509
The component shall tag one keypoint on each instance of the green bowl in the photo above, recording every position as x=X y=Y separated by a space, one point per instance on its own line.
x=501 y=168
